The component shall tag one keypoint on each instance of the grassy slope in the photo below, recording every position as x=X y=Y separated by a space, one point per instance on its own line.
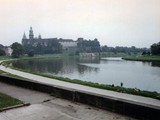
x=6 y=101
x=143 y=58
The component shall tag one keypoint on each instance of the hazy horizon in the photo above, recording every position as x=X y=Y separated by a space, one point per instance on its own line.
x=112 y=22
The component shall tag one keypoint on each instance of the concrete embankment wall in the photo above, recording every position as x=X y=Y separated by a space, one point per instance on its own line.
x=119 y=106
x=89 y=54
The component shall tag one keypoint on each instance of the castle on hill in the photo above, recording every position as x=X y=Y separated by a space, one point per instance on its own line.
x=35 y=41
x=39 y=45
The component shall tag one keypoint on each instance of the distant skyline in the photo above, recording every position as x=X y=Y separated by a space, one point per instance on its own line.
x=112 y=22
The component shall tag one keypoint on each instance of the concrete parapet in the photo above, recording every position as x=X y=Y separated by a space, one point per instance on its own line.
x=133 y=109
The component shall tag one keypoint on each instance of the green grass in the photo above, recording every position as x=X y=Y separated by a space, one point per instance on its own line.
x=6 y=101
x=106 y=87
x=4 y=57
x=143 y=58
x=40 y=56
x=118 y=54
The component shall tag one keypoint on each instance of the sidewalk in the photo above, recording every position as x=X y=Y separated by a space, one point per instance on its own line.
x=46 y=107
x=153 y=103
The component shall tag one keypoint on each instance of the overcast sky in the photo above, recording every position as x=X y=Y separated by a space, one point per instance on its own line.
x=112 y=22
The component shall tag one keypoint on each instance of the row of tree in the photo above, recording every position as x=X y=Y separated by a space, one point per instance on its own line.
x=89 y=46
x=155 y=49
x=52 y=46
x=82 y=46
x=121 y=49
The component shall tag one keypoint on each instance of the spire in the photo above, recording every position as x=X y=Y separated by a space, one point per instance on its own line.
x=24 y=36
x=31 y=35
x=39 y=36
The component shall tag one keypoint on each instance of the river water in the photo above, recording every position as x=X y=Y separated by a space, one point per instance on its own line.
x=133 y=74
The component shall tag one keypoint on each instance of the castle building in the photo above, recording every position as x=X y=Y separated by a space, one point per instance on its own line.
x=66 y=43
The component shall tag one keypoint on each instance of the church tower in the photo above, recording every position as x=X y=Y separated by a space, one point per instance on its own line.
x=24 y=36
x=39 y=36
x=31 y=35
x=24 y=39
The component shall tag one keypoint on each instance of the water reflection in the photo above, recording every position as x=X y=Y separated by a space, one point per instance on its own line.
x=116 y=60
x=40 y=65
x=155 y=64
x=133 y=74
x=62 y=66
x=82 y=69
x=147 y=63
x=95 y=60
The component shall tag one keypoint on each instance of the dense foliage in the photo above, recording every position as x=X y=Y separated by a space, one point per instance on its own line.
x=89 y=46
x=120 y=49
x=149 y=58
x=52 y=46
x=2 y=52
x=17 y=50
x=155 y=49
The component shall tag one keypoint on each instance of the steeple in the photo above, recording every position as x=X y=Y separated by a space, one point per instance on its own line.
x=31 y=35
x=39 y=36
x=24 y=36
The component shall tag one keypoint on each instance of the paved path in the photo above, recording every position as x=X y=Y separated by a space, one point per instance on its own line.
x=46 y=107
x=106 y=93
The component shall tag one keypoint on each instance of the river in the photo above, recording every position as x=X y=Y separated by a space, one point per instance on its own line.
x=113 y=70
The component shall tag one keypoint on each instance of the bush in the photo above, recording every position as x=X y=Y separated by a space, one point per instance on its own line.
x=2 y=52
x=30 y=54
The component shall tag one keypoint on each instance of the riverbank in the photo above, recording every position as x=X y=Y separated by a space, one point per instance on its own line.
x=143 y=58
x=116 y=54
x=133 y=91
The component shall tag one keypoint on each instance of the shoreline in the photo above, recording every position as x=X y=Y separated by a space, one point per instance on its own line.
x=143 y=58
x=133 y=91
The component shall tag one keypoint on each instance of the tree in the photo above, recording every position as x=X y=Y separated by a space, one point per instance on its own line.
x=155 y=49
x=53 y=46
x=89 y=46
x=17 y=50
x=2 y=52
x=30 y=53
x=144 y=53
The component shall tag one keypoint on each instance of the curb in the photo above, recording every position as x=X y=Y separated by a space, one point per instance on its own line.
x=15 y=106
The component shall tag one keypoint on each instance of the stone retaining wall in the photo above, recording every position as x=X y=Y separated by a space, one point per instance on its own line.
x=119 y=106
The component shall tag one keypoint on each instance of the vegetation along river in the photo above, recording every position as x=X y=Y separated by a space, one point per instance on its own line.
x=133 y=74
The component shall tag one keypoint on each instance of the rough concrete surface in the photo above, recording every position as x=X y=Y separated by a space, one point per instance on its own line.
x=45 y=107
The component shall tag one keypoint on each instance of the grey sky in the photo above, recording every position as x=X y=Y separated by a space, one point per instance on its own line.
x=113 y=22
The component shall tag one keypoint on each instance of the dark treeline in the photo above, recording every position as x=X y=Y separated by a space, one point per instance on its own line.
x=52 y=46
x=2 y=52
x=155 y=48
x=121 y=49
x=89 y=46
x=83 y=46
